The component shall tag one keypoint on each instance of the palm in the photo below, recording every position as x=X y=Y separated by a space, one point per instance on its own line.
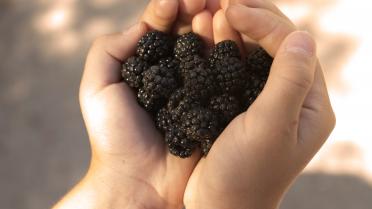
x=114 y=120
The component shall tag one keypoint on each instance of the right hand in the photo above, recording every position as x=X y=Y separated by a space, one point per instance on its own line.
x=262 y=151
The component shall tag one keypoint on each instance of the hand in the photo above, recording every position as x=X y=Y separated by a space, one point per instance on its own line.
x=261 y=152
x=130 y=165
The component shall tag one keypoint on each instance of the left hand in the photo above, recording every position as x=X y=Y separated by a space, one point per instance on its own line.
x=130 y=165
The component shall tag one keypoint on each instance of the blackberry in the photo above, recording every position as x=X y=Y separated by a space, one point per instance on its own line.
x=132 y=71
x=173 y=65
x=150 y=100
x=170 y=63
x=199 y=82
x=154 y=46
x=206 y=145
x=223 y=49
x=252 y=90
x=259 y=62
x=231 y=74
x=163 y=120
x=179 y=103
x=227 y=106
x=190 y=62
x=160 y=80
x=200 y=124
x=178 y=143
x=158 y=85
x=187 y=44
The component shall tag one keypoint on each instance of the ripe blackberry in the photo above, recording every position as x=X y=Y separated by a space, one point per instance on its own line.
x=230 y=74
x=187 y=44
x=163 y=120
x=199 y=82
x=190 y=62
x=179 y=103
x=259 y=62
x=158 y=85
x=132 y=71
x=154 y=46
x=227 y=106
x=178 y=143
x=252 y=90
x=200 y=124
x=223 y=49
x=160 y=80
x=206 y=145
x=150 y=100
x=170 y=63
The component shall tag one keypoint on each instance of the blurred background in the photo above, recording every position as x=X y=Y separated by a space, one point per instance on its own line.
x=44 y=148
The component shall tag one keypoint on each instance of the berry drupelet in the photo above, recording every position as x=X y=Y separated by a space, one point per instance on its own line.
x=188 y=44
x=231 y=74
x=158 y=85
x=227 y=107
x=222 y=50
x=132 y=71
x=154 y=46
x=259 y=62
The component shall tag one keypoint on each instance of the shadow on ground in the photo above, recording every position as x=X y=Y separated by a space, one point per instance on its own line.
x=322 y=191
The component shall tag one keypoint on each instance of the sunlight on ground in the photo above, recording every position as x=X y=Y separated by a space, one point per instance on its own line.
x=55 y=19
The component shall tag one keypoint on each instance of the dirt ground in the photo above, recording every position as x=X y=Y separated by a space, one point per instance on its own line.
x=44 y=148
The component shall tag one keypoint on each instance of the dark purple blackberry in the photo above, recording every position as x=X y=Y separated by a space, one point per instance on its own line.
x=187 y=44
x=179 y=103
x=200 y=124
x=159 y=80
x=190 y=62
x=231 y=74
x=163 y=120
x=200 y=83
x=154 y=46
x=172 y=64
x=151 y=101
x=158 y=85
x=227 y=106
x=223 y=49
x=205 y=146
x=178 y=143
x=132 y=71
x=252 y=90
x=258 y=62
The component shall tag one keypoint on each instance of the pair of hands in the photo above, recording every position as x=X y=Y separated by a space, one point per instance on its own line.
x=251 y=163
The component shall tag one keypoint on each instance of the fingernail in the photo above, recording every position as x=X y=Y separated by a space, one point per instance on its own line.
x=301 y=42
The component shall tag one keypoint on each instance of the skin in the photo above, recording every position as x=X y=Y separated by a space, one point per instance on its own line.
x=257 y=156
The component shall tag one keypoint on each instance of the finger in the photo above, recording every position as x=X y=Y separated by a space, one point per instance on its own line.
x=202 y=25
x=187 y=10
x=161 y=14
x=290 y=79
x=213 y=6
x=263 y=26
x=104 y=59
x=223 y=31
x=263 y=4
x=318 y=107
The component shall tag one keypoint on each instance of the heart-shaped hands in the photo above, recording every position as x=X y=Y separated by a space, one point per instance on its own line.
x=255 y=158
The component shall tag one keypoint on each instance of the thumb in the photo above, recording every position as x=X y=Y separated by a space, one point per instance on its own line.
x=292 y=74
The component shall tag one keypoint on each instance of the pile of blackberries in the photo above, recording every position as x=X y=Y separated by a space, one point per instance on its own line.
x=190 y=97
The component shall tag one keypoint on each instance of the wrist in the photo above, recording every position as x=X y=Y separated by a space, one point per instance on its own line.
x=100 y=189
x=229 y=200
